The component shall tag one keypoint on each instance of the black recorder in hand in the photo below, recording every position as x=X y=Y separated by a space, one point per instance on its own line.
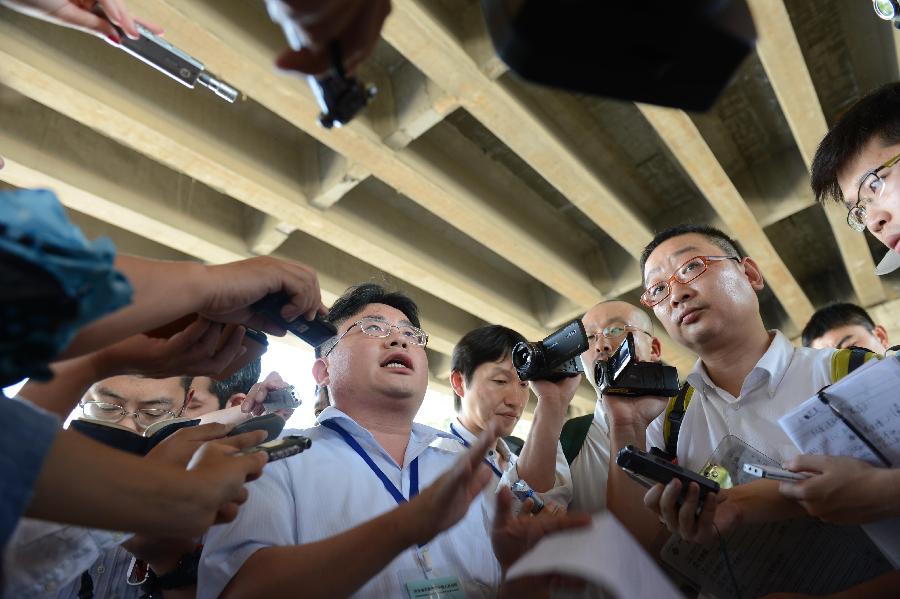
x=554 y=358
x=314 y=332
x=622 y=374
x=649 y=469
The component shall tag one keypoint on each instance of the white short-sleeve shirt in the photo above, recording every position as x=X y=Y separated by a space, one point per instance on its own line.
x=329 y=489
x=590 y=468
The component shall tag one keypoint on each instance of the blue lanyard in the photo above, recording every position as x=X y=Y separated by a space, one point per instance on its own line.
x=466 y=444
x=392 y=489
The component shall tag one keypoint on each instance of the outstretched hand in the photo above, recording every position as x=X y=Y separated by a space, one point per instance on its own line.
x=203 y=348
x=445 y=501
x=512 y=536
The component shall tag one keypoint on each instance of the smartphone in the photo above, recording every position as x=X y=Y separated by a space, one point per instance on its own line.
x=281 y=448
x=649 y=469
x=774 y=473
x=314 y=332
x=273 y=424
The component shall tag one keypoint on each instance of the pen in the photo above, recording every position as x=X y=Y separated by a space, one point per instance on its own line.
x=824 y=399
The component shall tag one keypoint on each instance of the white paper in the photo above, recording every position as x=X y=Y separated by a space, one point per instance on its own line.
x=604 y=554
x=869 y=398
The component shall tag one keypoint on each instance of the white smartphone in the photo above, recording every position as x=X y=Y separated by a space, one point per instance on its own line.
x=774 y=473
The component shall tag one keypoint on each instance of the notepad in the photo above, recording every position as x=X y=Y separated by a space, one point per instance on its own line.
x=603 y=553
x=869 y=398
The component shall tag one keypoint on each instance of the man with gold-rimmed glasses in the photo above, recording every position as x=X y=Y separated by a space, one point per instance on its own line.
x=589 y=440
x=704 y=291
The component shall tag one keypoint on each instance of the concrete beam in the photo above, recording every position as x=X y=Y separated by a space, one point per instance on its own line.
x=429 y=43
x=783 y=61
x=684 y=140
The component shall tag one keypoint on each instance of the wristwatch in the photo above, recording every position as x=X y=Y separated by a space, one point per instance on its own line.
x=184 y=574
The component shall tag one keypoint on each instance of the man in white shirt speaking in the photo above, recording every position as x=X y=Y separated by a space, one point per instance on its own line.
x=347 y=516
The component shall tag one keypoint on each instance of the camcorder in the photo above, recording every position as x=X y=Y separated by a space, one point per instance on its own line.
x=554 y=358
x=340 y=96
x=622 y=374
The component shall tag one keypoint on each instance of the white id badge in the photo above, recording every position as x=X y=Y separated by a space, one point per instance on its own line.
x=446 y=587
x=430 y=582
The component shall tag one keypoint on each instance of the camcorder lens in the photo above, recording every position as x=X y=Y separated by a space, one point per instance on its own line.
x=521 y=355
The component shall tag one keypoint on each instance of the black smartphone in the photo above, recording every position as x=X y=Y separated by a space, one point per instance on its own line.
x=314 y=332
x=281 y=448
x=649 y=469
x=273 y=424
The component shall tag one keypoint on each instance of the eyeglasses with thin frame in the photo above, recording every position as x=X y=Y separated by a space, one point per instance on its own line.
x=615 y=332
x=111 y=412
x=685 y=273
x=870 y=189
x=376 y=327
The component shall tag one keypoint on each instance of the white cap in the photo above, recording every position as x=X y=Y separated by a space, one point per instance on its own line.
x=888 y=264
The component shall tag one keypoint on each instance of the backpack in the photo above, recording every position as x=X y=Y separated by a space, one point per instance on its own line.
x=575 y=430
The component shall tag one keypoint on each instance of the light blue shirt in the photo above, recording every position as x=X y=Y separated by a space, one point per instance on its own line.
x=329 y=489
x=46 y=559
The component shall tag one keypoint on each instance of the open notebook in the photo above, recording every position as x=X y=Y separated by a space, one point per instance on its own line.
x=859 y=417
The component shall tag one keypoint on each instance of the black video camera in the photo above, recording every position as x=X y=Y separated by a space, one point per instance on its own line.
x=622 y=374
x=340 y=96
x=554 y=358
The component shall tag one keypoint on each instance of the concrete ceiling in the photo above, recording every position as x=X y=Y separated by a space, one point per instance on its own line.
x=488 y=199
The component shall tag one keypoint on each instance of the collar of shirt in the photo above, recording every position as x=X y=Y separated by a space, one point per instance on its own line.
x=470 y=437
x=769 y=370
x=420 y=438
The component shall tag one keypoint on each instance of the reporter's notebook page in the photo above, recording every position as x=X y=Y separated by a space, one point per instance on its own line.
x=870 y=399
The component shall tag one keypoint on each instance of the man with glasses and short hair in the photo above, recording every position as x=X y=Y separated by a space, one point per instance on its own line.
x=587 y=440
x=704 y=292
x=135 y=402
x=357 y=501
x=856 y=166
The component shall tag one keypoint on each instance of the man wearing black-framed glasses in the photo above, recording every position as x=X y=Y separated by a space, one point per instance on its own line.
x=856 y=167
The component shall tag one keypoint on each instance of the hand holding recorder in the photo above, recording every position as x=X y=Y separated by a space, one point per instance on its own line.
x=844 y=490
